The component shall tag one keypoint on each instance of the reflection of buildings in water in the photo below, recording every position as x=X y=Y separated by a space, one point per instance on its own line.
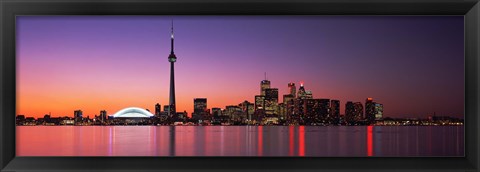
x=172 y=141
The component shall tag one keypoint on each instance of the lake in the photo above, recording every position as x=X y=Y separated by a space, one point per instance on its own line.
x=329 y=141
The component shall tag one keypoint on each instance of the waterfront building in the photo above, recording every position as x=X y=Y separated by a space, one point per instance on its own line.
x=369 y=110
x=200 y=109
x=235 y=114
x=311 y=114
x=78 y=115
x=248 y=109
x=378 y=111
x=217 y=115
x=298 y=116
x=350 y=113
x=324 y=110
x=158 y=109
x=132 y=115
x=358 y=111
x=103 y=115
x=335 y=112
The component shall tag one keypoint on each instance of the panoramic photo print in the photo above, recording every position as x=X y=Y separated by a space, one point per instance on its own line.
x=284 y=86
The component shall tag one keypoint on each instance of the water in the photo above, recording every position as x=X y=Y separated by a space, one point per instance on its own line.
x=344 y=141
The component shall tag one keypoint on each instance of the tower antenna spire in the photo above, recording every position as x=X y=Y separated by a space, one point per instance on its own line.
x=172 y=39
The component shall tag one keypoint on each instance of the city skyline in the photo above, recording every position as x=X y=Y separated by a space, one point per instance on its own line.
x=223 y=85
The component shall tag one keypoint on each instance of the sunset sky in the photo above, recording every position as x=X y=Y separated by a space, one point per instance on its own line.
x=413 y=65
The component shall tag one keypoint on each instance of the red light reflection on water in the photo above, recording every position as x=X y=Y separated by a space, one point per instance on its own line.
x=369 y=140
x=260 y=141
x=301 y=141
x=291 y=140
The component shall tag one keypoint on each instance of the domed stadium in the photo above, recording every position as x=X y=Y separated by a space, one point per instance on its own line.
x=132 y=116
x=133 y=112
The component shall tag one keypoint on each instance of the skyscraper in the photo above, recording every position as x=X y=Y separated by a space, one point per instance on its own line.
x=78 y=115
x=301 y=92
x=358 y=111
x=335 y=111
x=157 y=109
x=292 y=90
x=199 y=108
x=271 y=100
x=350 y=113
x=172 y=59
x=264 y=85
x=199 y=105
x=324 y=109
x=103 y=115
x=378 y=111
x=247 y=108
x=370 y=110
x=259 y=102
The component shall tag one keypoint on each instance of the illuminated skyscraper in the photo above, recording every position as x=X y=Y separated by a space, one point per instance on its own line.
x=335 y=111
x=271 y=100
x=264 y=85
x=324 y=110
x=172 y=59
x=292 y=90
x=301 y=92
x=259 y=102
x=358 y=111
x=378 y=111
x=308 y=94
x=247 y=108
x=350 y=113
x=311 y=108
x=370 y=110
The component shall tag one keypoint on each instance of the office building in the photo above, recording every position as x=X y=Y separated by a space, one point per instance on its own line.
x=271 y=100
x=158 y=108
x=335 y=112
x=378 y=111
x=350 y=113
x=199 y=109
x=78 y=115
x=292 y=90
x=264 y=84
x=358 y=113
x=369 y=110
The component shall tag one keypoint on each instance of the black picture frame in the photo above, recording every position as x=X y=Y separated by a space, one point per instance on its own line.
x=11 y=8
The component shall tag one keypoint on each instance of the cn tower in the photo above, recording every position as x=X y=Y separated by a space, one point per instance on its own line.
x=172 y=59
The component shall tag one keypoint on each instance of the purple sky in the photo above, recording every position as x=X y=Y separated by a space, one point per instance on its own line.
x=413 y=65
